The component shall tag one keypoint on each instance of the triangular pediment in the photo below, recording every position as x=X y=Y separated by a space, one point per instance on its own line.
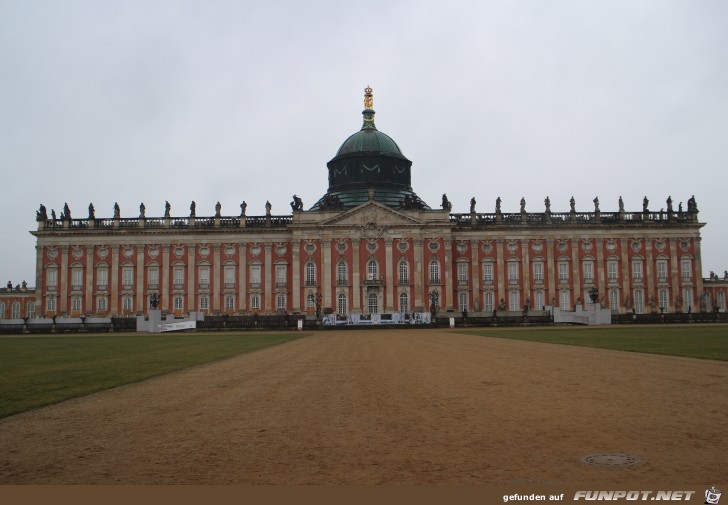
x=372 y=214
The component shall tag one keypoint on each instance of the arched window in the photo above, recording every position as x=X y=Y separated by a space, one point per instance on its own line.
x=403 y=303
x=614 y=300
x=310 y=274
x=639 y=301
x=565 y=300
x=688 y=300
x=721 y=301
x=434 y=272
x=15 y=310
x=2 y=310
x=664 y=301
x=488 y=301
x=310 y=301
x=463 y=299
x=403 y=272
x=255 y=301
x=341 y=306
x=373 y=304
x=372 y=270
x=31 y=309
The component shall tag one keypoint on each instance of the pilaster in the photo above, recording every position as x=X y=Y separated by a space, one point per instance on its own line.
x=215 y=280
x=114 y=291
x=419 y=275
x=355 y=277
x=449 y=294
x=243 y=276
x=296 y=275
x=268 y=294
x=389 y=276
x=500 y=267
x=191 y=277
x=164 y=293
x=475 y=279
x=551 y=272
x=140 y=279
x=326 y=273
x=89 y=290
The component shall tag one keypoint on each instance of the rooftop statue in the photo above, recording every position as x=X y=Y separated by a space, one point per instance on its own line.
x=498 y=205
x=193 y=207
x=66 y=212
x=117 y=211
x=547 y=203
x=596 y=204
x=621 y=205
x=645 y=203
x=91 y=211
x=523 y=205
x=167 y=209
x=243 y=208
x=572 y=203
x=41 y=214
x=268 y=207
x=472 y=205
x=218 y=207
x=446 y=204
x=296 y=204
x=142 y=210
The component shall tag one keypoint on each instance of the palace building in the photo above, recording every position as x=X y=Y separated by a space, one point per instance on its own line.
x=369 y=245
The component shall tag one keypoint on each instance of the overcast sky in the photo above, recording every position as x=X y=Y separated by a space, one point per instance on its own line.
x=147 y=101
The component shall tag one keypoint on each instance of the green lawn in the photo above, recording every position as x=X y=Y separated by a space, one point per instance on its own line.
x=694 y=341
x=37 y=371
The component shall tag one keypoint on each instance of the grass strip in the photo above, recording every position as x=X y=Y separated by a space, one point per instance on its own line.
x=38 y=371
x=693 y=341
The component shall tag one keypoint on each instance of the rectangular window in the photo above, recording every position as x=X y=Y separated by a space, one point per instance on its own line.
x=255 y=274
x=178 y=303
x=204 y=277
x=538 y=272
x=77 y=278
x=229 y=277
x=588 y=271
x=637 y=270
x=281 y=274
x=127 y=274
x=52 y=279
x=281 y=302
x=563 y=272
x=488 y=273
x=230 y=302
x=126 y=303
x=204 y=302
x=102 y=279
x=462 y=273
x=51 y=304
x=153 y=277
x=101 y=303
x=612 y=270
x=179 y=278
x=661 y=270
x=76 y=303
x=686 y=269
x=513 y=273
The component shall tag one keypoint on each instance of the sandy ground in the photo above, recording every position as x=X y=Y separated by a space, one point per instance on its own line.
x=384 y=407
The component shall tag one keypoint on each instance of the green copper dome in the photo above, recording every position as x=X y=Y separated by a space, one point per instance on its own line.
x=369 y=140
x=369 y=165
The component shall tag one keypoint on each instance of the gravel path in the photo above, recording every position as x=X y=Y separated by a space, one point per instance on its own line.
x=385 y=407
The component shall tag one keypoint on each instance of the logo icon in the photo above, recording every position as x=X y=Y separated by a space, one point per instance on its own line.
x=712 y=495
